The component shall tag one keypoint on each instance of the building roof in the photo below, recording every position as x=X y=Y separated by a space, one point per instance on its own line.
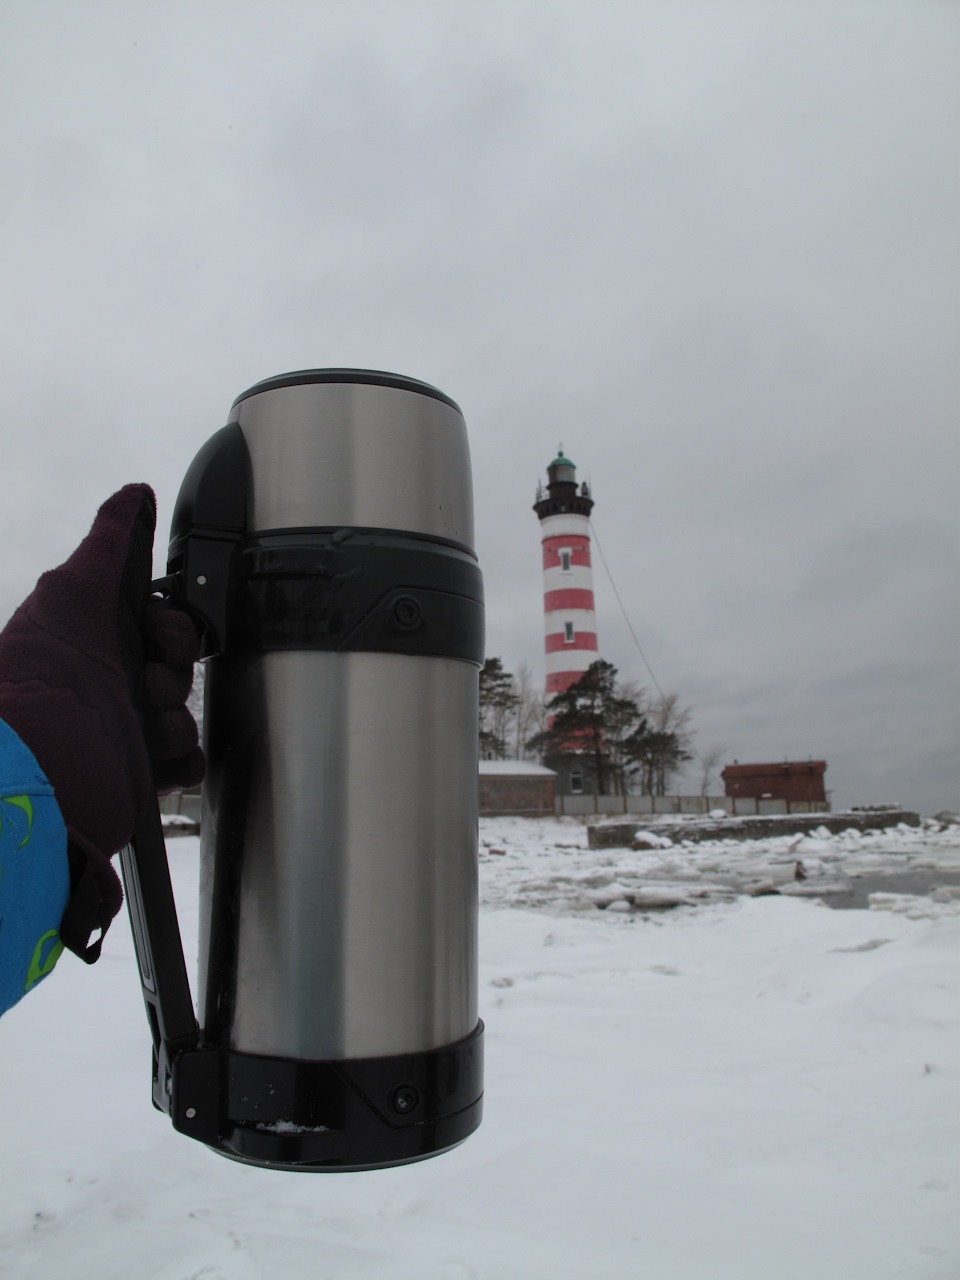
x=771 y=770
x=561 y=461
x=517 y=768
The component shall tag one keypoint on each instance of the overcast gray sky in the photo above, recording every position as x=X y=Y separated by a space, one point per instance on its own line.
x=712 y=248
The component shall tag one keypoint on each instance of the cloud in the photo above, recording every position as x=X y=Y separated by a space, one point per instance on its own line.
x=710 y=248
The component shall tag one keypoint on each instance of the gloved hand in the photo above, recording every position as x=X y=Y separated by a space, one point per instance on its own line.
x=94 y=677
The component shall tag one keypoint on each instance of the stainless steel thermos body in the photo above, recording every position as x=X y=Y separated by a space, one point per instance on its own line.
x=356 y=882
x=325 y=539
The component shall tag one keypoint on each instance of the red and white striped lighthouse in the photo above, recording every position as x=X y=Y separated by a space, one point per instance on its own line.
x=570 y=620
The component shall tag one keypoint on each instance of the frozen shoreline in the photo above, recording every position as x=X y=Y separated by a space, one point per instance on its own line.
x=743 y=1089
x=547 y=865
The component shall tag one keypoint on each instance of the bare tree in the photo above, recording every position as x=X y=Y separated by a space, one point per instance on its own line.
x=667 y=716
x=671 y=740
x=626 y=719
x=708 y=761
x=528 y=711
x=533 y=747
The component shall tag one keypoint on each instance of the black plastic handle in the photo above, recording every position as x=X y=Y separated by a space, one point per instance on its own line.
x=156 y=936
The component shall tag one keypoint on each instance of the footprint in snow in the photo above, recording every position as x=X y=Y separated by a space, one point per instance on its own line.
x=870 y=945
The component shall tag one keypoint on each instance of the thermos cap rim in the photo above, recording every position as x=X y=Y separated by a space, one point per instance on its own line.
x=367 y=377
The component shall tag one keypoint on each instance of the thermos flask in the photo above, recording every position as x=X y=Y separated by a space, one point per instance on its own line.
x=323 y=541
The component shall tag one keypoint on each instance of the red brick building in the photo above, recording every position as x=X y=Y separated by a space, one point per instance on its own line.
x=791 y=780
x=516 y=787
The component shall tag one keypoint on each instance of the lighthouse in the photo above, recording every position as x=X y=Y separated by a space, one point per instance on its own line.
x=570 y=621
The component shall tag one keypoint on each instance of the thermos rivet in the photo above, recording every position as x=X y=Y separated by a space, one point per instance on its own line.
x=201 y=579
x=191 y=1112
x=405 y=1098
x=407 y=613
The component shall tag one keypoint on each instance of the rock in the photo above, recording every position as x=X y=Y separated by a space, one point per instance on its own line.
x=657 y=898
x=814 y=888
x=609 y=894
x=644 y=839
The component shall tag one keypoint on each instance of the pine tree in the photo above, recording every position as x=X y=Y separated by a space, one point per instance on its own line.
x=632 y=744
x=498 y=700
x=592 y=717
x=656 y=754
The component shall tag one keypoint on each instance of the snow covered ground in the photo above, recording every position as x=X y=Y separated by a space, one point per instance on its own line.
x=744 y=1088
x=547 y=866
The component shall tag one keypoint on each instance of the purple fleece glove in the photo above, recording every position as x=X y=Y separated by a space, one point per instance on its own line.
x=94 y=677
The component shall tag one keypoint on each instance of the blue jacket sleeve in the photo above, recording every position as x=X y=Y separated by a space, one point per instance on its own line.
x=34 y=874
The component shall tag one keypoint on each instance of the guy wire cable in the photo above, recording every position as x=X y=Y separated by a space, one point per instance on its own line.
x=593 y=529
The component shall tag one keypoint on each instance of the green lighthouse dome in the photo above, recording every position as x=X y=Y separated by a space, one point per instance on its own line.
x=563 y=495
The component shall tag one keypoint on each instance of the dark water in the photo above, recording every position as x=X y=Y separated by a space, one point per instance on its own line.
x=918 y=882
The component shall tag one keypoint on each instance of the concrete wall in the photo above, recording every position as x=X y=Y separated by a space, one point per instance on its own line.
x=610 y=835
x=735 y=806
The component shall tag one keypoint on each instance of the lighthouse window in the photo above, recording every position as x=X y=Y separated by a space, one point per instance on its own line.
x=568 y=633
x=565 y=560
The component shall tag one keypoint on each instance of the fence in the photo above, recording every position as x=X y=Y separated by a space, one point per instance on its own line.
x=185 y=803
x=735 y=806
x=188 y=804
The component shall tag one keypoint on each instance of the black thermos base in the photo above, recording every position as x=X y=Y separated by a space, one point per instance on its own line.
x=330 y=1116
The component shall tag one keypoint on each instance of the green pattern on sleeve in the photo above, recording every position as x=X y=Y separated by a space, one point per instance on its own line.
x=34 y=871
x=24 y=803
x=38 y=970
